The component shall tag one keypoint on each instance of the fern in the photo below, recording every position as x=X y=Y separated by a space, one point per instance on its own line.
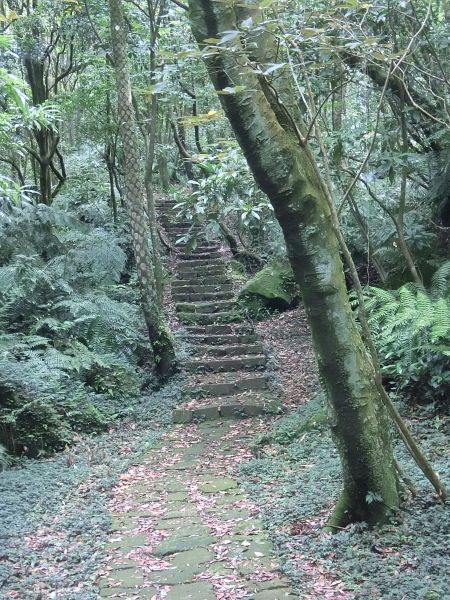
x=96 y=257
x=70 y=333
x=5 y=459
x=102 y=322
x=411 y=327
x=440 y=282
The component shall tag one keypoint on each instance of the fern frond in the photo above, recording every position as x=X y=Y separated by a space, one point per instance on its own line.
x=440 y=282
x=441 y=319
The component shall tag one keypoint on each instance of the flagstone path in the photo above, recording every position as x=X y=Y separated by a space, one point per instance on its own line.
x=184 y=529
x=181 y=526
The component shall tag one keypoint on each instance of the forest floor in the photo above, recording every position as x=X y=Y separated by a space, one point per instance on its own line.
x=257 y=490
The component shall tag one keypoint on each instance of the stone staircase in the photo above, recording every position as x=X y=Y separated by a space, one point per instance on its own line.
x=226 y=372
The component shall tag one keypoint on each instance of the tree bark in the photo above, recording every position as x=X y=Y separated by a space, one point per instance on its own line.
x=46 y=138
x=282 y=166
x=159 y=334
x=152 y=115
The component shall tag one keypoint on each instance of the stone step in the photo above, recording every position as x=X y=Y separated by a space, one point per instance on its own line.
x=197 y=263
x=172 y=221
x=229 y=384
x=203 y=297
x=207 y=266
x=212 y=247
x=200 y=289
x=240 y=406
x=209 y=318
x=240 y=329
x=224 y=340
x=225 y=365
x=213 y=280
x=168 y=210
x=199 y=257
x=184 y=225
x=225 y=350
x=205 y=271
x=178 y=235
x=163 y=211
x=205 y=307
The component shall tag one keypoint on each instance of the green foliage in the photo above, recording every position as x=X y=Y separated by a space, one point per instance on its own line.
x=42 y=402
x=412 y=332
x=72 y=334
x=228 y=193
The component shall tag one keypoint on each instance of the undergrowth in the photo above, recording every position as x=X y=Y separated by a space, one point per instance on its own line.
x=72 y=331
x=296 y=480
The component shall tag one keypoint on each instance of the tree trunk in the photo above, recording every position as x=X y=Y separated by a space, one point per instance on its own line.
x=159 y=334
x=46 y=138
x=164 y=175
x=283 y=168
x=152 y=115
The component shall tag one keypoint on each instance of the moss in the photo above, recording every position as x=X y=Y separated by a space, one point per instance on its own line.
x=308 y=417
x=272 y=288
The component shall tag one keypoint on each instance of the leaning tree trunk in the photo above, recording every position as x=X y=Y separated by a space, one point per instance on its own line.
x=283 y=168
x=159 y=334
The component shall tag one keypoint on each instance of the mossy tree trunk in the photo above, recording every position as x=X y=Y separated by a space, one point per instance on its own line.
x=135 y=199
x=283 y=167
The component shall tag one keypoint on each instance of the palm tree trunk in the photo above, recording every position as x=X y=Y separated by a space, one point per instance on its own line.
x=158 y=331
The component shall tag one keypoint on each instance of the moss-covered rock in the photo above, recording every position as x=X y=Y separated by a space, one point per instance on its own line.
x=272 y=288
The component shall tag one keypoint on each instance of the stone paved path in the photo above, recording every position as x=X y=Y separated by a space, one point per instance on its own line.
x=182 y=527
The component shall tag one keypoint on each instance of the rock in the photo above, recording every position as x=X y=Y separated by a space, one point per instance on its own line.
x=147 y=593
x=182 y=513
x=207 y=413
x=182 y=415
x=128 y=541
x=181 y=544
x=130 y=577
x=193 y=526
x=196 y=556
x=217 y=484
x=176 y=575
x=272 y=288
x=177 y=497
x=192 y=591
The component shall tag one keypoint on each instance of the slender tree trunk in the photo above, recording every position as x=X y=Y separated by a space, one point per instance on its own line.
x=109 y=156
x=364 y=229
x=159 y=334
x=46 y=138
x=164 y=176
x=112 y=187
x=148 y=179
x=283 y=168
